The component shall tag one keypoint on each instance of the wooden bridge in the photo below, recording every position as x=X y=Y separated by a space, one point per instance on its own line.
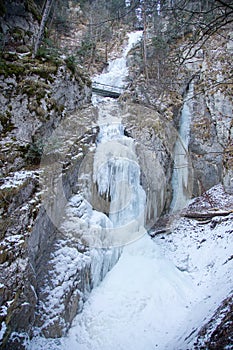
x=107 y=90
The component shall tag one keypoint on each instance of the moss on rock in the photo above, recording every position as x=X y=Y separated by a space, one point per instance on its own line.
x=6 y=123
x=33 y=88
x=44 y=70
x=11 y=69
x=31 y=6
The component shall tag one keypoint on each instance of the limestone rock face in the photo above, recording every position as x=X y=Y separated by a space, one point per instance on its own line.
x=32 y=105
x=210 y=146
x=17 y=293
x=31 y=109
x=19 y=24
x=211 y=126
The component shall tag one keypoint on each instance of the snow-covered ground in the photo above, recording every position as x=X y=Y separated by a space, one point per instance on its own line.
x=161 y=290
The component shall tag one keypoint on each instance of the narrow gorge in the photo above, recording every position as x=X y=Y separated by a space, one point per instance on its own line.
x=116 y=175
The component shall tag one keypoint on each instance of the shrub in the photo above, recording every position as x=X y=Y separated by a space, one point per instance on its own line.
x=35 y=151
x=71 y=63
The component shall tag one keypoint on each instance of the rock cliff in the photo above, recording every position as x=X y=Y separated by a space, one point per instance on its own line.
x=37 y=94
x=210 y=145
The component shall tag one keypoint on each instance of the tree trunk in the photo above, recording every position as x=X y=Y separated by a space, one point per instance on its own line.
x=144 y=42
x=42 y=26
x=196 y=215
x=106 y=52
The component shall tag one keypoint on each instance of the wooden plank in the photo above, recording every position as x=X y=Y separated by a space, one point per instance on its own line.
x=106 y=93
x=107 y=87
x=107 y=90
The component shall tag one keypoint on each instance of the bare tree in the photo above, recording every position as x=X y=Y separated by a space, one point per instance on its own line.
x=199 y=17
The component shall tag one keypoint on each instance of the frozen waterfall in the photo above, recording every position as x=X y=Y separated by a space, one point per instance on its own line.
x=119 y=218
x=116 y=170
x=117 y=70
x=182 y=173
x=117 y=176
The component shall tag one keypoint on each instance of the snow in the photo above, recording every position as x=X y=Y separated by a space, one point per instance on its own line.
x=141 y=292
x=2 y=330
x=64 y=279
x=66 y=262
x=16 y=239
x=17 y=178
x=3 y=310
x=158 y=293
x=204 y=251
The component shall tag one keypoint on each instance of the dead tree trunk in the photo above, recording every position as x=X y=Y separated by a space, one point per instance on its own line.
x=144 y=42
x=40 y=35
x=209 y=215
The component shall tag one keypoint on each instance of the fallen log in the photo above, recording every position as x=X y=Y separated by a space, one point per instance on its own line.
x=209 y=215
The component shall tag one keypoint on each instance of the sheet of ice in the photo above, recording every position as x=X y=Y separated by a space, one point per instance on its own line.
x=117 y=69
x=117 y=175
x=182 y=174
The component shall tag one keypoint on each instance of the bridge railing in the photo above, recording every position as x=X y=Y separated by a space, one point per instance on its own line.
x=105 y=87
